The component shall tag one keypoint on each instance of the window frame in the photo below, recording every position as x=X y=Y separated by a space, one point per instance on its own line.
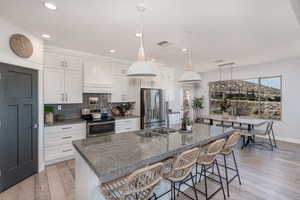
x=259 y=101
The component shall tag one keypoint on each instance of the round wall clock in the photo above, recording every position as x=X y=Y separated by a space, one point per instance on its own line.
x=21 y=45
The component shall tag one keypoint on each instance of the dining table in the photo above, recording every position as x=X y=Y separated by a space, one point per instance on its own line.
x=242 y=123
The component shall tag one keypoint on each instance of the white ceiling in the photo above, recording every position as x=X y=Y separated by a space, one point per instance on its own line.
x=244 y=31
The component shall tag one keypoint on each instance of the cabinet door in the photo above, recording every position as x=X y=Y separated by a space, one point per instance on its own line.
x=97 y=76
x=73 y=62
x=119 y=69
x=54 y=60
x=120 y=89
x=54 y=86
x=74 y=86
x=105 y=75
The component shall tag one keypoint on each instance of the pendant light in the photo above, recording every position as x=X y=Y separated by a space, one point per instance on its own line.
x=141 y=68
x=189 y=76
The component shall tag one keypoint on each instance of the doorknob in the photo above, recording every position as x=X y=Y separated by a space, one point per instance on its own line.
x=35 y=126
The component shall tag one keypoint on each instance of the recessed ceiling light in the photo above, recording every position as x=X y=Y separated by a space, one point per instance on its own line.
x=153 y=59
x=46 y=36
x=112 y=51
x=50 y=5
x=183 y=50
x=138 y=34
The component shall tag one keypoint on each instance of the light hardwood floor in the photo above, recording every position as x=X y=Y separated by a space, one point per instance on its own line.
x=265 y=175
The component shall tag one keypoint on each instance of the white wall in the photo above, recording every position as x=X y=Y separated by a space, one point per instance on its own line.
x=288 y=128
x=34 y=62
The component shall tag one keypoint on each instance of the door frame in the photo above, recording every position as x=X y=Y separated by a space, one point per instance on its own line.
x=40 y=71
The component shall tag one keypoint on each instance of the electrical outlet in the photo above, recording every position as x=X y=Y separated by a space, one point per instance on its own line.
x=59 y=107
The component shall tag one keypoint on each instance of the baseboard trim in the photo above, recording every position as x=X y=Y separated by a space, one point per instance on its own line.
x=284 y=139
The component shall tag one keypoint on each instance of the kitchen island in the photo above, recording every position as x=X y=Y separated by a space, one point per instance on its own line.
x=106 y=158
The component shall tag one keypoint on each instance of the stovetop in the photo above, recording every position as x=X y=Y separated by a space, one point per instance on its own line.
x=105 y=119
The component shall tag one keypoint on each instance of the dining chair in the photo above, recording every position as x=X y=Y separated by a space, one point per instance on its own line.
x=137 y=186
x=269 y=132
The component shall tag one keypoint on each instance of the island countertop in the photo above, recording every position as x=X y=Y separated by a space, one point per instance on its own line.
x=117 y=155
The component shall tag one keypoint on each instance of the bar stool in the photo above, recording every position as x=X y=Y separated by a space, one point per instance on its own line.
x=227 y=151
x=206 y=160
x=179 y=170
x=138 y=186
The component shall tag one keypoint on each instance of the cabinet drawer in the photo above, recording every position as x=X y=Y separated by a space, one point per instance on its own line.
x=65 y=128
x=63 y=138
x=127 y=125
x=56 y=152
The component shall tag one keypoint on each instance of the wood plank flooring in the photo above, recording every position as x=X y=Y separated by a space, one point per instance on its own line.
x=265 y=175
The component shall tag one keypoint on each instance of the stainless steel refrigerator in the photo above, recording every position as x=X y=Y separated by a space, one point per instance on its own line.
x=152 y=108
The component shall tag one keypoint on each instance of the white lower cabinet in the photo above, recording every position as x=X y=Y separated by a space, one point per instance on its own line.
x=58 y=141
x=174 y=118
x=126 y=125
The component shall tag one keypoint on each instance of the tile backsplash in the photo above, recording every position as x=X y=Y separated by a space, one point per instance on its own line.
x=73 y=111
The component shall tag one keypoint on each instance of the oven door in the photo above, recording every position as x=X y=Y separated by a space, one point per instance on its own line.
x=100 y=128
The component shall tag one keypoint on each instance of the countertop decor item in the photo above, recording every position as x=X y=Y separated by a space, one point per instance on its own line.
x=141 y=68
x=21 y=45
x=189 y=125
x=59 y=117
x=197 y=105
x=49 y=116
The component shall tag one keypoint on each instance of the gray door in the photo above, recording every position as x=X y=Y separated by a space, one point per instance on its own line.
x=18 y=128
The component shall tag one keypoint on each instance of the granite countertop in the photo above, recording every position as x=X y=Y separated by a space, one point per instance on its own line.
x=65 y=122
x=117 y=155
x=126 y=117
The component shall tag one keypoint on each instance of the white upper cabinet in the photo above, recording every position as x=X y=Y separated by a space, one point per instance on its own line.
x=54 y=86
x=73 y=86
x=123 y=87
x=119 y=69
x=54 y=60
x=73 y=63
x=62 y=79
x=97 y=77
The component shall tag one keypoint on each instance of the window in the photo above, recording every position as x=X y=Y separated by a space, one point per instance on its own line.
x=257 y=98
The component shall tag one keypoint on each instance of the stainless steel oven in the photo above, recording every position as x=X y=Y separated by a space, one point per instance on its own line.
x=99 y=128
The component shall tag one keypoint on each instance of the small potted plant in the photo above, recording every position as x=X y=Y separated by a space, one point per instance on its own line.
x=49 y=116
x=189 y=125
x=59 y=117
x=197 y=106
x=224 y=106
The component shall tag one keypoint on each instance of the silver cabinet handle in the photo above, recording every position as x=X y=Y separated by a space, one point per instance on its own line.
x=66 y=128
x=66 y=64
x=67 y=137
x=66 y=97
x=62 y=63
x=66 y=150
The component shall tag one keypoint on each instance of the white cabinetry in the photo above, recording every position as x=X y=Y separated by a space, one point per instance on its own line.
x=62 y=79
x=97 y=77
x=125 y=125
x=58 y=141
x=174 y=118
x=123 y=88
x=54 y=85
